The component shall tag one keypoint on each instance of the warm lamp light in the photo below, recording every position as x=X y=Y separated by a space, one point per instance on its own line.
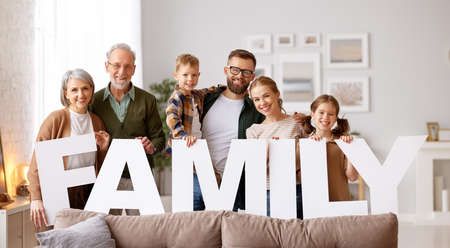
x=21 y=179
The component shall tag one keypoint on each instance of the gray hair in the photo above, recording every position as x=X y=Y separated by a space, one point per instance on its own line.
x=78 y=74
x=123 y=46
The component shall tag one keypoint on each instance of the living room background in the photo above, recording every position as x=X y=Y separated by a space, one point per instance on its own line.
x=409 y=59
x=409 y=55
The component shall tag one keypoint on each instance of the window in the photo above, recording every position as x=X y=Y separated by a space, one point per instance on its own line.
x=77 y=34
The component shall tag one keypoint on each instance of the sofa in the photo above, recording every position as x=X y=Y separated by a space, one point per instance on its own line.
x=230 y=229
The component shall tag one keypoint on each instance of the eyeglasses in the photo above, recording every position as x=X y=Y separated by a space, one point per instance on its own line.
x=236 y=70
x=117 y=66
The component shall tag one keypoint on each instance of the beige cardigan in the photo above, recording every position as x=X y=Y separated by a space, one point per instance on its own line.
x=56 y=126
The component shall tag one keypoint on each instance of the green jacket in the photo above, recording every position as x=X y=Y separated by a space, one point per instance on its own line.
x=249 y=115
x=142 y=119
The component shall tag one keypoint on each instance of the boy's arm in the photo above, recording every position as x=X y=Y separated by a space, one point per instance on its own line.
x=204 y=91
x=174 y=112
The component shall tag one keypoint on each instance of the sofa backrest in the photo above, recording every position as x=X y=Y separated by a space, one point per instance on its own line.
x=230 y=229
x=370 y=231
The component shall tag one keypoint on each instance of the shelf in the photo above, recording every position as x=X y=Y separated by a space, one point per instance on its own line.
x=436 y=145
x=19 y=204
x=16 y=228
x=436 y=218
x=425 y=213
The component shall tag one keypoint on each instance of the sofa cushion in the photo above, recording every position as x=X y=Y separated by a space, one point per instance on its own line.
x=187 y=229
x=93 y=232
x=243 y=230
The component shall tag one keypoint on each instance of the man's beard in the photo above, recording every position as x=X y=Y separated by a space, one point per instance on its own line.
x=119 y=86
x=236 y=89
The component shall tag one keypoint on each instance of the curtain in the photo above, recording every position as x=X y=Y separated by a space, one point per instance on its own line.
x=77 y=34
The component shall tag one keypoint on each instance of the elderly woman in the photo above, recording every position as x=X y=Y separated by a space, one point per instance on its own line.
x=77 y=89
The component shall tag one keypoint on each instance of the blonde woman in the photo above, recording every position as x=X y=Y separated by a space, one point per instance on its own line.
x=277 y=125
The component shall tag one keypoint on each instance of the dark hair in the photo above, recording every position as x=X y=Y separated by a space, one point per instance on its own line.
x=266 y=81
x=342 y=127
x=243 y=54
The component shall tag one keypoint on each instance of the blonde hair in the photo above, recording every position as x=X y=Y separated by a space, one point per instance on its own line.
x=186 y=59
x=267 y=81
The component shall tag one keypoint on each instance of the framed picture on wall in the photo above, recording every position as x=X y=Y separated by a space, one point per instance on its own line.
x=299 y=80
x=310 y=40
x=347 y=51
x=261 y=44
x=263 y=70
x=351 y=93
x=284 y=40
x=433 y=131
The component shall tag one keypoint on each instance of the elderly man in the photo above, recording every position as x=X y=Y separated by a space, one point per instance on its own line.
x=128 y=111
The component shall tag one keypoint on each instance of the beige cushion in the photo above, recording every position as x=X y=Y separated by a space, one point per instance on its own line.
x=244 y=230
x=188 y=229
x=229 y=229
x=239 y=230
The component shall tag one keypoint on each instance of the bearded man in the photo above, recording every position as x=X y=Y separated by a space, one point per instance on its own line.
x=227 y=113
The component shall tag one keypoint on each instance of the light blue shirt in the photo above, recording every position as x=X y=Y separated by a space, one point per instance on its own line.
x=120 y=109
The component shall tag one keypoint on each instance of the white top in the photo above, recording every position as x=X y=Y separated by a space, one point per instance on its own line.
x=287 y=128
x=196 y=126
x=220 y=126
x=80 y=124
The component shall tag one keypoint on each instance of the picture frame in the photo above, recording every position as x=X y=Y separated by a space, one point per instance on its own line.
x=299 y=80
x=310 y=40
x=259 y=44
x=433 y=131
x=347 y=50
x=284 y=40
x=352 y=93
x=263 y=70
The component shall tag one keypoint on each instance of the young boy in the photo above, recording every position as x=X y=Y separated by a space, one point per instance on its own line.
x=183 y=112
x=185 y=105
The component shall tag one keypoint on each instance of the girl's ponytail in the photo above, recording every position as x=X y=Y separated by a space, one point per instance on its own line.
x=307 y=125
x=342 y=128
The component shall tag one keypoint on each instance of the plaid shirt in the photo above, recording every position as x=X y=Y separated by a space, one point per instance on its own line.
x=180 y=112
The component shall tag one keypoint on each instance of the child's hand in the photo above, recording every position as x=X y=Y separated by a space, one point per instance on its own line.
x=315 y=137
x=190 y=140
x=346 y=139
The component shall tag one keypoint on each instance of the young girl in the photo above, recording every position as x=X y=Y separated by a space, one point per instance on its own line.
x=266 y=97
x=324 y=113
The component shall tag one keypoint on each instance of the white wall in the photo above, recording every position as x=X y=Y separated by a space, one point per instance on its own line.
x=16 y=84
x=409 y=48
